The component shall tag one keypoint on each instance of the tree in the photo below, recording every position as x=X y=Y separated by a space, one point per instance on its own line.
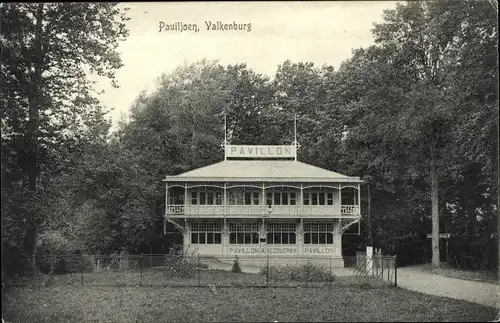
x=408 y=109
x=424 y=38
x=307 y=91
x=48 y=100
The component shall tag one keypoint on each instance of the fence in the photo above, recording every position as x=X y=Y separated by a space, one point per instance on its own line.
x=377 y=267
x=176 y=270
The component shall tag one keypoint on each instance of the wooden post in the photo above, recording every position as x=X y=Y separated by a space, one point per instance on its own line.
x=395 y=272
x=140 y=265
x=81 y=270
x=199 y=284
x=267 y=268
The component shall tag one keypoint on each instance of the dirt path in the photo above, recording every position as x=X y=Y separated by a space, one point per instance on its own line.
x=416 y=279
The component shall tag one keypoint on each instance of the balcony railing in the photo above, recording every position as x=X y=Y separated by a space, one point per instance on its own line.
x=263 y=210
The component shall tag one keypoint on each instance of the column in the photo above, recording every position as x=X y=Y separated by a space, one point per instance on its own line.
x=224 y=237
x=166 y=199
x=263 y=203
x=186 y=197
x=224 y=201
x=340 y=198
x=187 y=236
x=300 y=237
x=301 y=195
x=359 y=198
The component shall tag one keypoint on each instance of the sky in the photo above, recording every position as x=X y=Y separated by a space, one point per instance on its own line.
x=323 y=32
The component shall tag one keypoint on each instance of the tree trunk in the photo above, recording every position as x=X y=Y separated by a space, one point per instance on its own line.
x=497 y=174
x=435 y=210
x=34 y=98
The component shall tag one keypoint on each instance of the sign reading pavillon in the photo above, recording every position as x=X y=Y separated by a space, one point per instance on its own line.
x=237 y=250
x=247 y=151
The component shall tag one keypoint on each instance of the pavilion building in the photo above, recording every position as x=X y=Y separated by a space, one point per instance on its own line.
x=261 y=202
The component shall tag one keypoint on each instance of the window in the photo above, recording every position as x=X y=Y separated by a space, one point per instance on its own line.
x=307 y=199
x=329 y=198
x=194 y=198
x=248 y=198
x=255 y=197
x=206 y=233
x=269 y=198
x=231 y=198
x=244 y=233
x=210 y=198
x=318 y=198
x=206 y=198
x=321 y=198
x=281 y=198
x=349 y=196
x=252 y=198
x=242 y=198
x=318 y=233
x=281 y=233
x=203 y=198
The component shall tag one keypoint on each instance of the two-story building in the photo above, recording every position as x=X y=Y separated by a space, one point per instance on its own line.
x=260 y=201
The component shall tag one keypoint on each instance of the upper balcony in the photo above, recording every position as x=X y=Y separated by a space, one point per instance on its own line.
x=275 y=211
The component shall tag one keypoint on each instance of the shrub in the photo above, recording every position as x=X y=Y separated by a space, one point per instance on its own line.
x=180 y=266
x=58 y=255
x=236 y=266
x=304 y=272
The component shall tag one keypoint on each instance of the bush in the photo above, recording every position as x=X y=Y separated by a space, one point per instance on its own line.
x=58 y=255
x=236 y=266
x=180 y=266
x=304 y=272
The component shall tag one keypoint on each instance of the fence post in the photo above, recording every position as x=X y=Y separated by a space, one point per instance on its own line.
x=140 y=265
x=267 y=269
x=199 y=284
x=330 y=277
x=308 y=273
x=81 y=270
x=382 y=265
x=395 y=272
x=388 y=272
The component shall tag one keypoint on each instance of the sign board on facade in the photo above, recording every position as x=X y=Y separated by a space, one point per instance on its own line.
x=248 y=151
x=262 y=250
x=319 y=251
x=441 y=235
x=289 y=251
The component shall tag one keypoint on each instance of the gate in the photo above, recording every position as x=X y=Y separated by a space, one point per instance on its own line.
x=376 y=267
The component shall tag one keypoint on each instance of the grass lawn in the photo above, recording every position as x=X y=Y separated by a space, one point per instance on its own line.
x=346 y=299
x=446 y=270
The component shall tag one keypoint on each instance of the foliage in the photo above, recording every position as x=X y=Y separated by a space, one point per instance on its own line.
x=424 y=94
x=236 y=266
x=408 y=94
x=49 y=109
x=181 y=266
x=308 y=272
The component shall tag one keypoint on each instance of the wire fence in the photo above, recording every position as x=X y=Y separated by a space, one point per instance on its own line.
x=377 y=267
x=183 y=270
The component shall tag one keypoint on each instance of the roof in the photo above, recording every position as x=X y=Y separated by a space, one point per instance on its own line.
x=262 y=170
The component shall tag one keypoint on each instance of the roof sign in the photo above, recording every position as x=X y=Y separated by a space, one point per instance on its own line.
x=253 y=151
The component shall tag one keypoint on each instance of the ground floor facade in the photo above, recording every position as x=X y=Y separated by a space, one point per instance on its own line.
x=255 y=241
